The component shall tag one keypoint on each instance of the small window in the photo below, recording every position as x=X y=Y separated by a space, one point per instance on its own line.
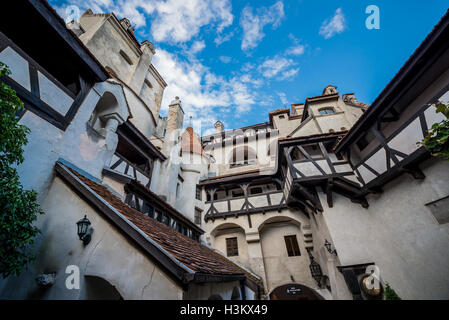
x=256 y=190
x=148 y=209
x=343 y=129
x=292 y=246
x=159 y=216
x=327 y=110
x=198 y=193
x=237 y=193
x=197 y=217
x=331 y=131
x=297 y=155
x=281 y=117
x=232 y=249
x=126 y=57
x=165 y=220
x=148 y=83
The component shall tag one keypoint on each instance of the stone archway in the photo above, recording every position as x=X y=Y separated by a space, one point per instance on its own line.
x=294 y=291
x=100 y=289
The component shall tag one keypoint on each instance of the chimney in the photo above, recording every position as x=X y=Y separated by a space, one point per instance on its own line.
x=297 y=109
x=219 y=127
x=175 y=115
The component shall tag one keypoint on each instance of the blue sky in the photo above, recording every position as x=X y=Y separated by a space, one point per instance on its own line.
x=235 y=61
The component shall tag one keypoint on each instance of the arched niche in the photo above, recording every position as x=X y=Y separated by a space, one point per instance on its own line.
x=279 y=220
x=227 y=234
x=111 y=109
x=97 y=288
x=242 y=155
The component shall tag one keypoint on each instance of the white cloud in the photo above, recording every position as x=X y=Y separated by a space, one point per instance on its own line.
x=288 y=74
x=279 y=67
x=221 y=38
x=197 y=46
x=296 y=50
x=334 y=25
x=283 y=98
x=172 y=21
x=253 y=24
x=203 y=93
x=225 y=59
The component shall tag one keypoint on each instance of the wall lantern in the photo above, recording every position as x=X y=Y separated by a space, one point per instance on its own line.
x=329 y=247
x=84 y=230
x=316 y=271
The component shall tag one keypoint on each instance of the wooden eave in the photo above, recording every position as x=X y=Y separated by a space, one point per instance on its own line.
x=137 y=139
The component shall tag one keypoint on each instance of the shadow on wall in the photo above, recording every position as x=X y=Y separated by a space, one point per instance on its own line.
x=99 y=289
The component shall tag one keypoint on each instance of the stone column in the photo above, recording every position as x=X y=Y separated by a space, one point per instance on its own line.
x=255 y=255
x=113 y=120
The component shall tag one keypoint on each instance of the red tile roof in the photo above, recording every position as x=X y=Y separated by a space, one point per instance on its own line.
x=192 y=254
x=190 y=142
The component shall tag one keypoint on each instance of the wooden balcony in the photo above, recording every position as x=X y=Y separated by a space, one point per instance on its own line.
x=141 y=173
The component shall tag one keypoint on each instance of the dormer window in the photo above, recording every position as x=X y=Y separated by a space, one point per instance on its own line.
x=327 y=110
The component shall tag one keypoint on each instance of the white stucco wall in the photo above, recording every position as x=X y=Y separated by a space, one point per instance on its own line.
x=398 y=233
x=110 y=255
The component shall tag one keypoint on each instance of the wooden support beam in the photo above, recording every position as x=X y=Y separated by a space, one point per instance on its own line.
x=414 y=171
x=362 y=201
x=329 y=187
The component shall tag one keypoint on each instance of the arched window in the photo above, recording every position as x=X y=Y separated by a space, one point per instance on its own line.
x=242 y=156
x=327 y=110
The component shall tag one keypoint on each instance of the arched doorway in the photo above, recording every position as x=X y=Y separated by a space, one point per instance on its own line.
x=294 y=291
x=99 y=289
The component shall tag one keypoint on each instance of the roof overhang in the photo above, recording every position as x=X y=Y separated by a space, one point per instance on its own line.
x=179 y=272
x=48 y=32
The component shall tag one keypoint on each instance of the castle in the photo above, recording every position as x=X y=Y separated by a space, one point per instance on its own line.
x=304 y=206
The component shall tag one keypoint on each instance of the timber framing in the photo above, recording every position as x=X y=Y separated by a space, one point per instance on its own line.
x=181 y=274
x=169 y=264
x=32 y=100
x=136 y=188
x=139 y=141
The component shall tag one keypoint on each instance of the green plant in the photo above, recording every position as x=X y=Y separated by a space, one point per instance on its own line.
x=437 y=138
x=19 y=207
x=390 y=294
